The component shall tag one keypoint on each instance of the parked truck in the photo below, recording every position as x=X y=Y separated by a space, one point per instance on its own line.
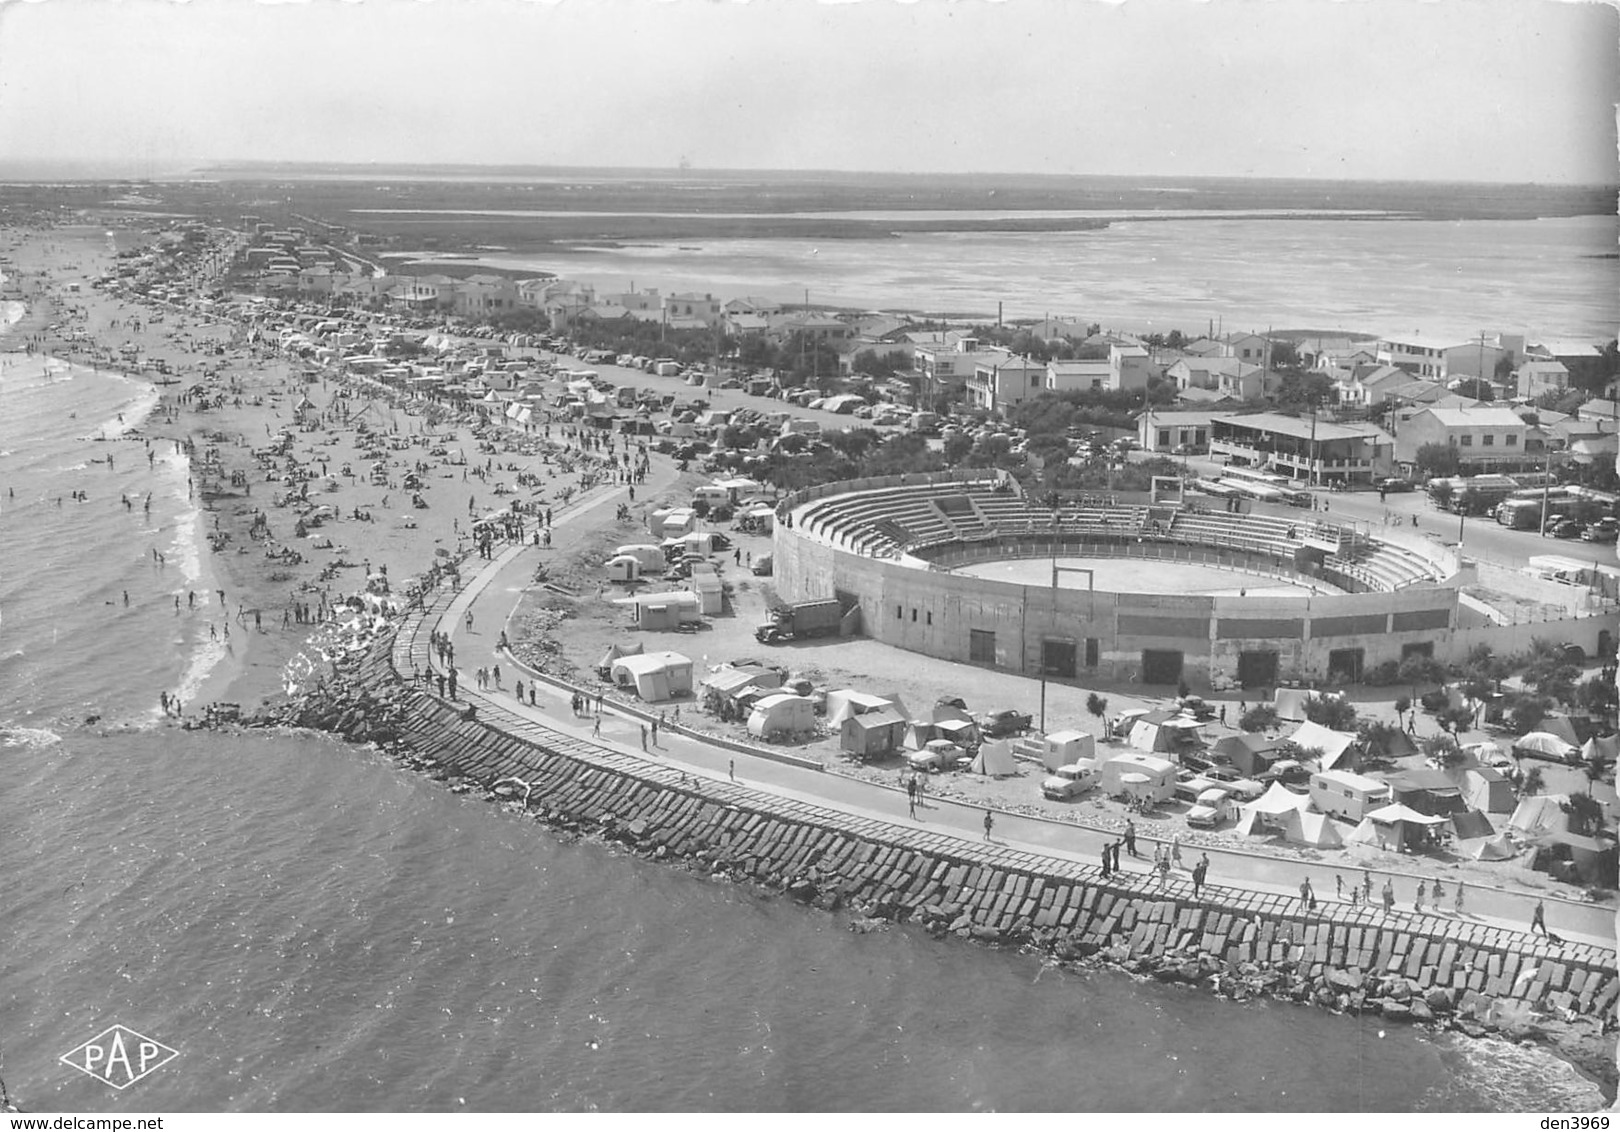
x=805 y=619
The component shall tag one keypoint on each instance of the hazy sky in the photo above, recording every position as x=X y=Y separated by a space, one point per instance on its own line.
x=1501 y=90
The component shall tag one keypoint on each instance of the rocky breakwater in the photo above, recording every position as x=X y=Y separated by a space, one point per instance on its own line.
x=1430 y=970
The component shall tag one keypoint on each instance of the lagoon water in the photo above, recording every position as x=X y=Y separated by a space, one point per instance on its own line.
x=1556 y=279
x=314 y=928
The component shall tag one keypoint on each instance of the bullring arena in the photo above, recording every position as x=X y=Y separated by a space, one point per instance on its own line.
x=964 y=567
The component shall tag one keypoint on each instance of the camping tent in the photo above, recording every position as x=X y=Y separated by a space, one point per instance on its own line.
x=1306 y=827
x=1251 y=754
x=1398 y=825
x=731 y=682
x=994 y=759
x=1560 y=726
x=847 y=702
x=1540 y=814
x=1470 y=824
x=1494 y=848
x=1606 y=747
x=872 y=734
x=1486 y=789
x=1333 y=744
x=782 y=713
x=1269 y=811
x=614 y=652
x=655 y=676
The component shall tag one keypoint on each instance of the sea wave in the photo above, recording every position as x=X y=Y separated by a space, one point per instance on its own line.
x=31 y=738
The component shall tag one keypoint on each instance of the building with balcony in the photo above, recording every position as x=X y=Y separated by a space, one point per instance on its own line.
x=1314 y=450
x=996 y=386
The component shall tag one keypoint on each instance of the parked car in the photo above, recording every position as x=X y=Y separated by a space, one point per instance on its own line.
x=996 y=724
x=1604 y=530
x=1565 y=528
x=938 y=754
x=763 y=565
x=1070 y=781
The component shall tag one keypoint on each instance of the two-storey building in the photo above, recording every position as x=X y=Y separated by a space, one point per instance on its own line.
x=1314 y=450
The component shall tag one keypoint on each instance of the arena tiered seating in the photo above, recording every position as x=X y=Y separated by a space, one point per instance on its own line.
x=887 y=521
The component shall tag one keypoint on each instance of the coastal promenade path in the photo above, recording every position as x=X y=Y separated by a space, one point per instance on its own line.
x=1250 y=880
x=1243 y=880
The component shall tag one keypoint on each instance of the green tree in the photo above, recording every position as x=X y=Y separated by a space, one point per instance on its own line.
x=1455 y=720
x=1444 y=750
x=1333 y=712
x=1438 y=460
x=1421 y=669
x=1378 y=741
x=1534 y=782
x=1261 y=717
x=1597 y=696
x=1098 y=707
x=1527 y=713
x=1585 y=813
x=1477 y=388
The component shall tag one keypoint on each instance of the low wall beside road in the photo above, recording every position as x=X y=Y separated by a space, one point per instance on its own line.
x=1407 y=966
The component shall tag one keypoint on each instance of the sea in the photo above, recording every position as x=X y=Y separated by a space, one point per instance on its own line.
x=1555 y=279
x=315 y=928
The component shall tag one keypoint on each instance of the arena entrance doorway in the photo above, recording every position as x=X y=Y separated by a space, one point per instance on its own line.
x=1344 y=665
x=1257 y=668
x=1161 y=666
x=1059 y=659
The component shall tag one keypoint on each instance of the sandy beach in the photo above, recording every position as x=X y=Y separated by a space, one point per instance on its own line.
x=228 y=401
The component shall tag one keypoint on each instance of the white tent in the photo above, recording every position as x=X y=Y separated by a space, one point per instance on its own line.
x=1290 y=703
x=1277 y=800
x=995 y=759
x=847 y=702
x=1497 y=848
x=1305 y=827
x=782 y=714
x=1539 y=815
x=1333 y=744
x=1486 y=789
x=1607 y=747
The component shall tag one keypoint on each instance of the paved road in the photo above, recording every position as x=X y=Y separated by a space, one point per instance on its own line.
x=493 y=595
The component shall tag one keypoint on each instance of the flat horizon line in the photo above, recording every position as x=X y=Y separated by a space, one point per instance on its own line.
x=202 y=170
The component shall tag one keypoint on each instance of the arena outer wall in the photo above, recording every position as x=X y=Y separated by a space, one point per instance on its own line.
x=938 y=613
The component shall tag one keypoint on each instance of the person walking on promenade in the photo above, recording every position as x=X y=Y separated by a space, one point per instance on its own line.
x=989 y=823
x=441 y=683
x=1130 y=838
x=657 y=719
x=1305 y=892
x=452 y=683
x=517 y=690
x=911 y=797
x=731 y=770
x=1107 y=858
x=469 y=620
x=1164 y=871
x=1175 y=850
x=1417 y=901
x=531 y=693
x=1366 y=884
x=1538 y=918
x=643 y=736
x=1436 y=896
x=496 y=670
x=1457 y=900
x=1389 y=896
x=1338 y=887
x=596 y=726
